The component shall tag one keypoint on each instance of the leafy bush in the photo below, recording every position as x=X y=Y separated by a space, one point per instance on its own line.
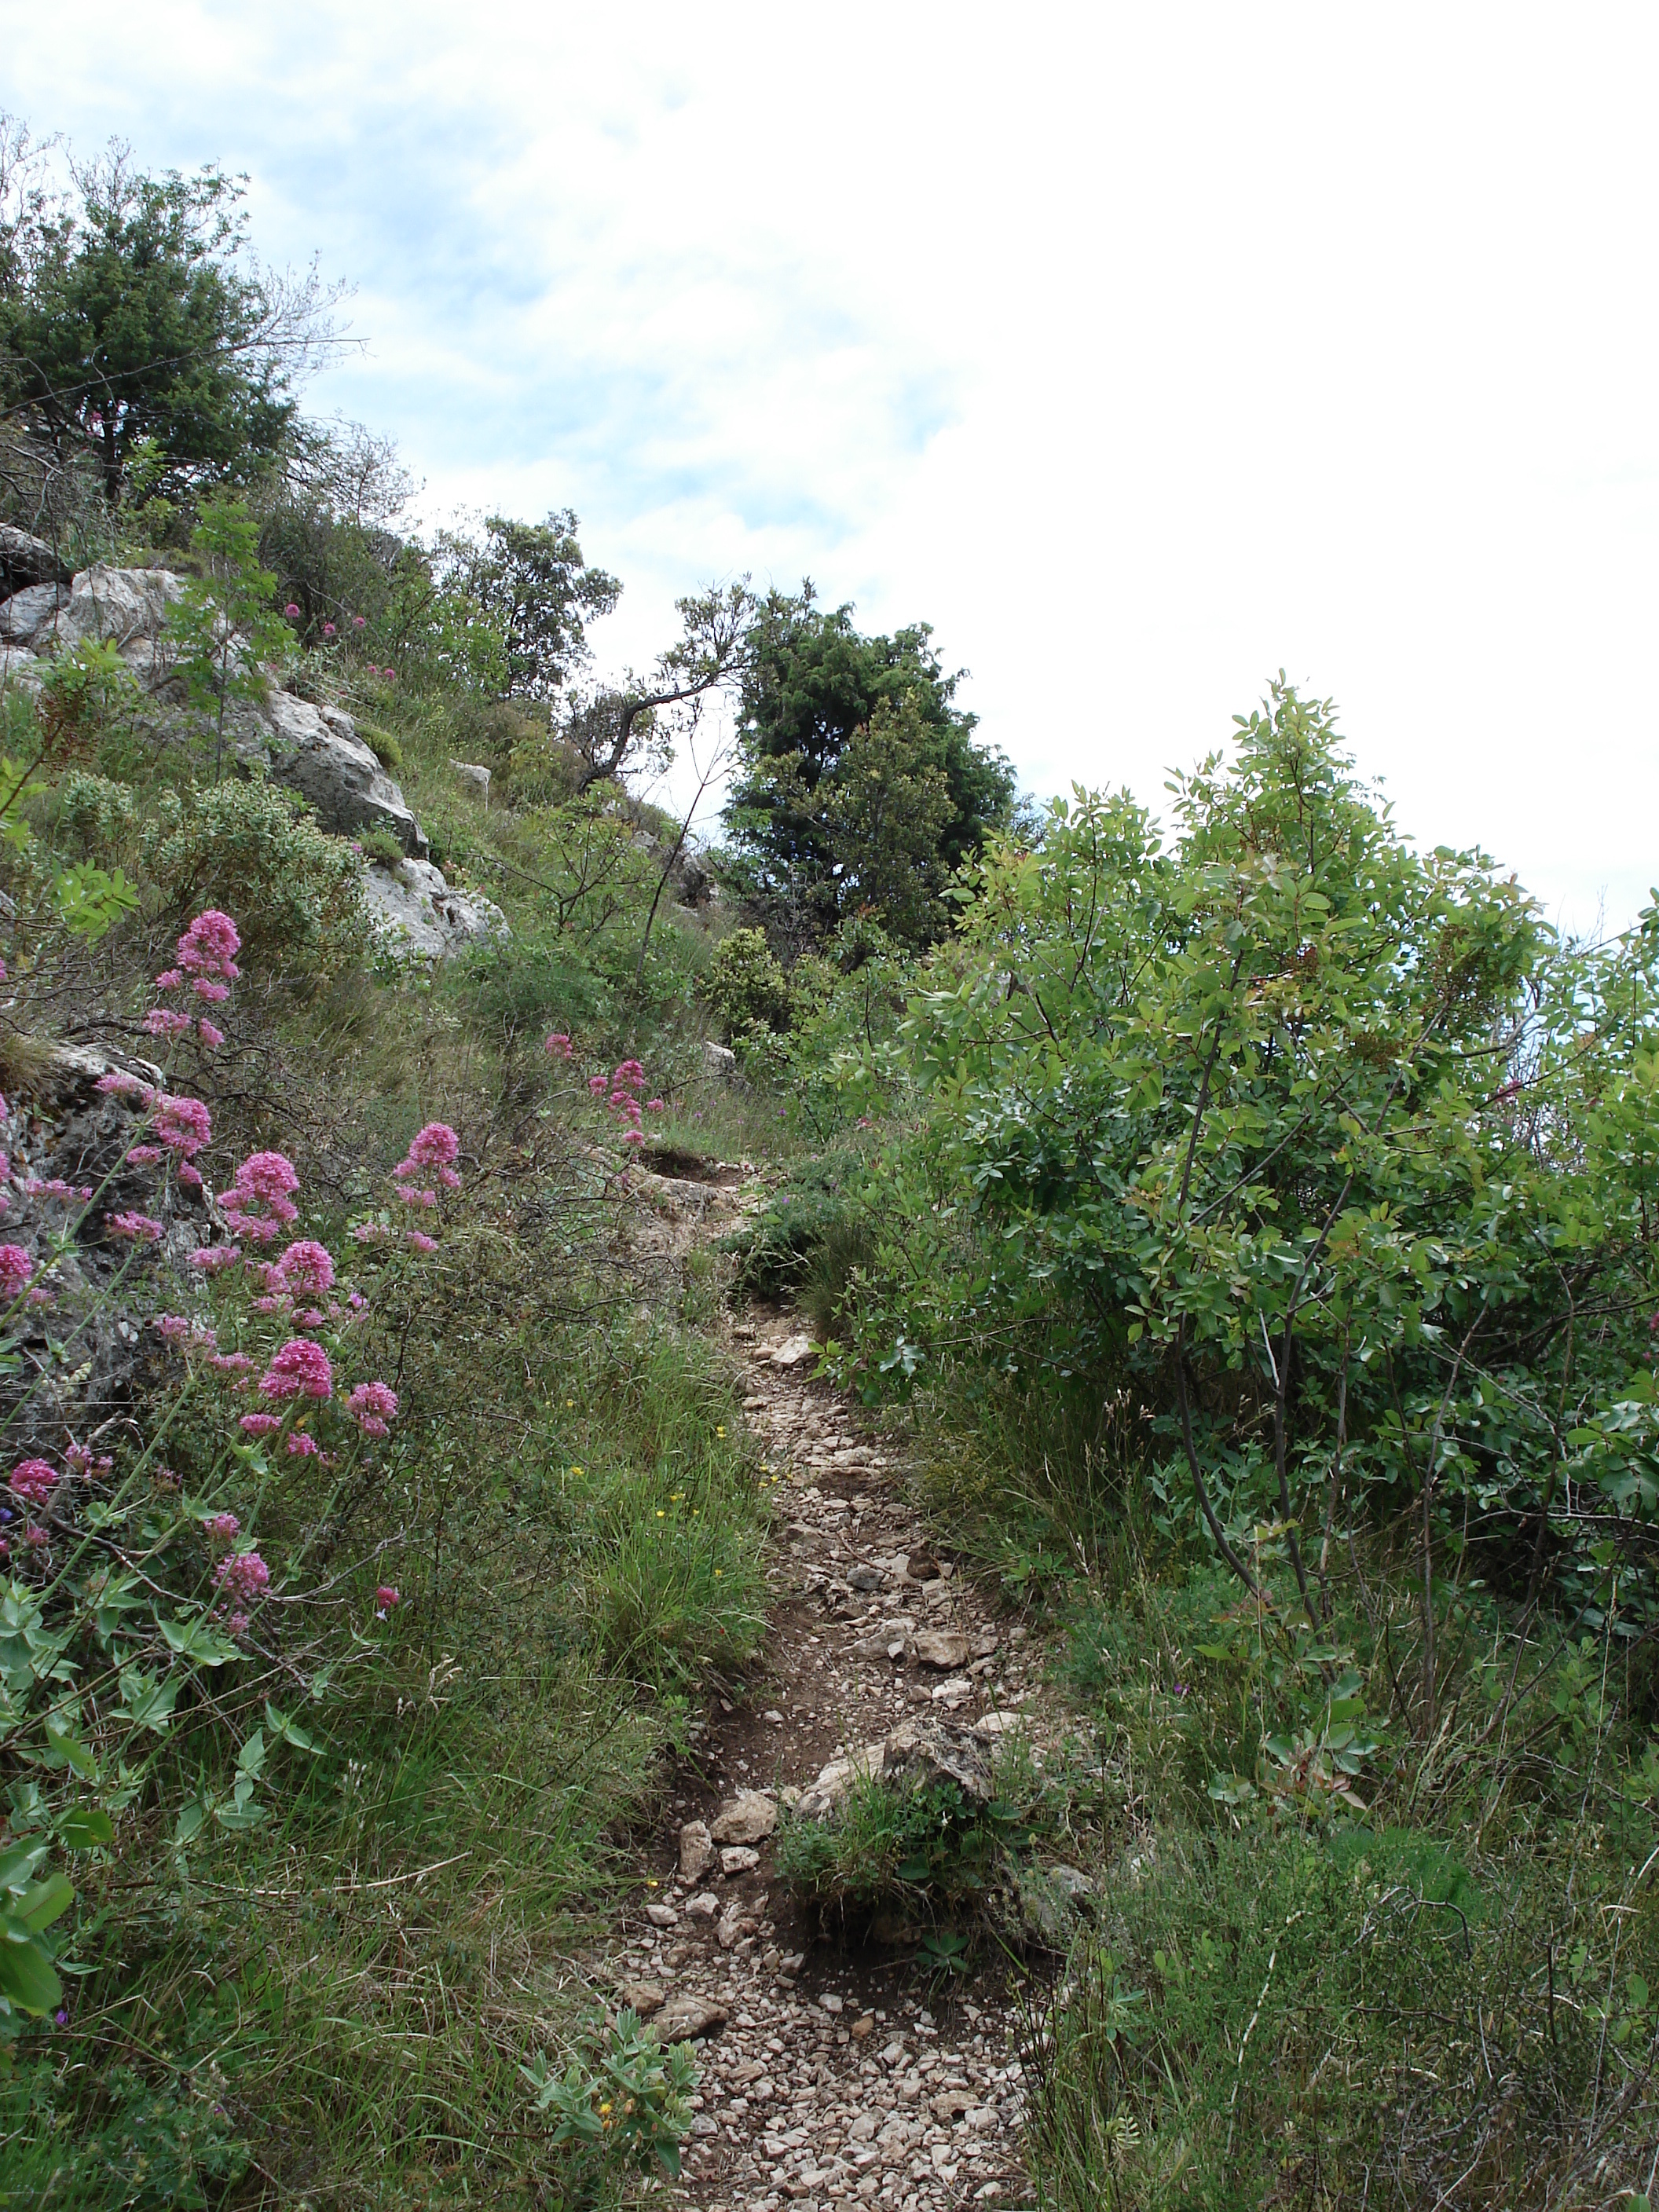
x=620 y=2107
x=382 y=744
x=745 y=985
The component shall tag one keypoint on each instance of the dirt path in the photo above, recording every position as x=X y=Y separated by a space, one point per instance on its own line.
x=828 y=2075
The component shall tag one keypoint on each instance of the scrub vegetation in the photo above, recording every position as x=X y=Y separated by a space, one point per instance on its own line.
x=1246 y=1220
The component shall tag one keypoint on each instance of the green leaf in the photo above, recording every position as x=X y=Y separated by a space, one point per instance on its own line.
x=283 y=1728
x=26 y=1973
x=47 y=1901
x=63 y=1748
x=80 y=1830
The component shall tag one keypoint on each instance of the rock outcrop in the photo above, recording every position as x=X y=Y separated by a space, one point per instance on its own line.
x=27 y=560
x=417 y=917
x=316 y=752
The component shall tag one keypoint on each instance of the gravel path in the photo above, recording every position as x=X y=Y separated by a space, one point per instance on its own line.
x=827 y=2077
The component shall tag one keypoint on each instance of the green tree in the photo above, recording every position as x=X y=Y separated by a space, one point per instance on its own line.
x=127 y=314
x=530 y=582
x=885 y=812
x=810 y=681
x=223 y=627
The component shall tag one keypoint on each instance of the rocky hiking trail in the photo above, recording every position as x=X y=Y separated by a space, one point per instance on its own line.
x=828 y=2076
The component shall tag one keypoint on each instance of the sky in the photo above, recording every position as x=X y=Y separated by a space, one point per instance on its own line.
x=1142 y=351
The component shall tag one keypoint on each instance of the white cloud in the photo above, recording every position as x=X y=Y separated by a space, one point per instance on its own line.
x=1142 y=351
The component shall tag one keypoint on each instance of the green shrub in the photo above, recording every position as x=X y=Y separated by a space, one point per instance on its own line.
x=253 y=849
x=745 y=985
x=380 y=846
x=382 y=744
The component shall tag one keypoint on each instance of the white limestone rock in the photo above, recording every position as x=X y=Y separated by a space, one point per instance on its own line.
x=417 y=916
x=26 y=615
x=316 y=752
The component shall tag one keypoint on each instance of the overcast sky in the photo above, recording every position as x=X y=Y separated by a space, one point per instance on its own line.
x=1143 y=350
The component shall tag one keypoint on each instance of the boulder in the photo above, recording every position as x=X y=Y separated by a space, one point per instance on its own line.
x=642 y=1998
x=126 y=608
x=722 y=1060
x=417 y=916
x=474 y=776
x=27 y=615
x=316 y=752
x=942 y=1647
x=27 y=560
x=18 y=662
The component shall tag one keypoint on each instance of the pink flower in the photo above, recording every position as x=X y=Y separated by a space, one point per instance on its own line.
x=305 y=1265
x=360 y=621
x=211 y=1037
x=263 y=1180
x=559 y=1045
x=630 y=1075
x=372 y=1405
x=40 y=1297
x=119 y=1085
x=34 y=1479
x=449 y=1179
x=356 y=1302
x=224 y=1526
x=370 y=1232
x=215 y=993
x=385 y=1598
x=389 y=675
x=328 y=629
x=138 y=1226
x=36 y=1536
x=169 y=980
x=291 y=611
x=261 y=1424
x=238 y=1624
x=16 y=1269
x=302 y=1444
x=184 y=1125
x=655 y=1106
x=434 y=1145
x=598 y=1084
x=209 y=945
x=231 y=1363
x=213 y=1259
x=187 y=1175
x=243 y=1576
x=299 y=1370
x=417 y=1241
x=166 y=1022
x=80 y=1458
x=142 y=1156
x=633 y=1136
x=416 y=1197
x=174 y=1328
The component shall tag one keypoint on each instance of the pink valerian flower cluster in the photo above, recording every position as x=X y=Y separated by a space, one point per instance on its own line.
x=385 y=1597
x=55 y=1187
x=214 y=1258
x=207 y=955
x=261 y=1424
x=178 y=1329
x=625 y=1083
x=434 y=1150
x=81 y=1460
x=558 y=1046
x=305 y=1265
x=372 y=1405
x=138 y=1226
x=223 y=1528
x=299 y=1370
x=16 y=1270
x=244 y=1577
x=34 y=1479
x=257 y=1205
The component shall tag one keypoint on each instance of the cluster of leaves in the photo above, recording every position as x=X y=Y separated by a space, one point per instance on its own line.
x=620 y=2106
